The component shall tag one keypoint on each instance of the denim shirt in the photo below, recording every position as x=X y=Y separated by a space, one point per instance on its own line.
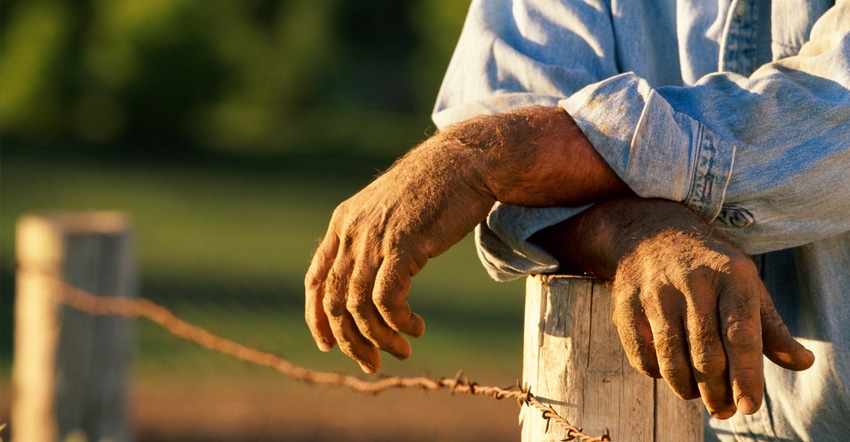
x=739 y=109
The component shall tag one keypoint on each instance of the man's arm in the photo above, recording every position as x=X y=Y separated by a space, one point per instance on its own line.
x=381 y=237
x=428 y=201
x=689 y=305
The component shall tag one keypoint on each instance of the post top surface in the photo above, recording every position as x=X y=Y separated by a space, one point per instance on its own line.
x=82 y=222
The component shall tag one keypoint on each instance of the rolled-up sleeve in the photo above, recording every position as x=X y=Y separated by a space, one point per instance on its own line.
x=765 y=158
x=658 y=152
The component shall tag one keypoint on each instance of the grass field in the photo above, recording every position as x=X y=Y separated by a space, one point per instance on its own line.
x=224 y=243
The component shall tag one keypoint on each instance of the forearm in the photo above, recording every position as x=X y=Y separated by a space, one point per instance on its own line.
x=536 y=157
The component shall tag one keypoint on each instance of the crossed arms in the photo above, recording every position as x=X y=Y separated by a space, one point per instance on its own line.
x=689 y=305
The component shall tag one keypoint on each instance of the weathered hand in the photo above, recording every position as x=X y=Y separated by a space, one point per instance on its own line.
x=429 y=200
x=691 y=308
x=378 y=239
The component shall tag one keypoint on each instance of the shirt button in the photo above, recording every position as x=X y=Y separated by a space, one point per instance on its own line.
x=741 y=8
x=736 y=216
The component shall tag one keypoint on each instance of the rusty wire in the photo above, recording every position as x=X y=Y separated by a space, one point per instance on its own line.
x=144 y=308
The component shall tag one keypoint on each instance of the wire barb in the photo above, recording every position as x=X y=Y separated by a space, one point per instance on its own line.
x=143 y=308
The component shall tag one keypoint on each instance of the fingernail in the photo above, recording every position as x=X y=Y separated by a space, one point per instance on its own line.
x=367 y=367
x=324 y=345
x=746 y=406
x=722 y=415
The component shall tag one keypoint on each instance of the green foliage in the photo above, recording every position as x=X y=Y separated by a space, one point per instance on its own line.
x=322 y=84
x=253 y=75
x=31 y=55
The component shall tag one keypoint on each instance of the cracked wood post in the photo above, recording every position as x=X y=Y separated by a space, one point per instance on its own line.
x=573 y=362
x=71 y=370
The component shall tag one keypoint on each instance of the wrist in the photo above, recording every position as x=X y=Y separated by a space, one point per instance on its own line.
x=449 y=160
x=442 y=167
x=597 y=240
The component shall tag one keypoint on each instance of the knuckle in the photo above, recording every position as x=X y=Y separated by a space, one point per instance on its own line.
x=709 y=364
x=770 y=319
x=340 y=212
x=313 y=282
x=671 y=359
x=335 y=281
x=388 y=297
x=744 y=336
x=334 y=306
x=383 y=301
x=670 y=370
x=739 y=265
x=707 y=355
x=357 y=307
x=347 y=240
x=360 y=287
x=625 y=297
x=724 y=262
x=668 y=344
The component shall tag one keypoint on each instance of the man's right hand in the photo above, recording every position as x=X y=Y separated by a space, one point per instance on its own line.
x=378 y=239
x=429 y=200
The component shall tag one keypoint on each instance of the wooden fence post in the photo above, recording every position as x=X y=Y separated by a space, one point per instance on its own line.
x=573 y=362
x=71 y=370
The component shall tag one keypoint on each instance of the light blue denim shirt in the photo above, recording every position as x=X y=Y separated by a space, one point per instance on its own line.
x=738 y=108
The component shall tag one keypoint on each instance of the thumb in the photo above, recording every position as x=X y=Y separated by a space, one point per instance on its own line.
x=778 y=344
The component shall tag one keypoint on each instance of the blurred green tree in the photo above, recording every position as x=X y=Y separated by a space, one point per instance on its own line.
x=250 y=75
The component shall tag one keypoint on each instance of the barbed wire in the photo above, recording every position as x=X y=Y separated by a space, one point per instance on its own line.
x=144 y=308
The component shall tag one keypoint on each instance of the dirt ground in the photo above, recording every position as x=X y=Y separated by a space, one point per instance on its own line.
x=263 y=410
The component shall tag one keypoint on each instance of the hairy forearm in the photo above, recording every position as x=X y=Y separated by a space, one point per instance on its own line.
x=536 y=157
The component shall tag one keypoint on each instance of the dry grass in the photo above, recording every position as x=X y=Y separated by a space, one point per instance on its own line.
x=269 y=408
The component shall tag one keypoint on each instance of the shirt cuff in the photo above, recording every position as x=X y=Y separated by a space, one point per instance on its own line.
x=502 y=240
x=658 y=152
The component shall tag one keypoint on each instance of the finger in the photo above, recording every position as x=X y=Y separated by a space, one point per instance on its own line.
x=366 y=316
x=779 y=346
x=314 y=284
x=740 y=323
x=670 y=339
x=634 y=331
x=673 y=361
x=389 y=296
x=355 y=345
x=342 y=325
x=708 y=356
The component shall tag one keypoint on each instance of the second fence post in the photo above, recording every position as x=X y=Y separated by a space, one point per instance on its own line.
x=71 y=370
x=573 y=362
